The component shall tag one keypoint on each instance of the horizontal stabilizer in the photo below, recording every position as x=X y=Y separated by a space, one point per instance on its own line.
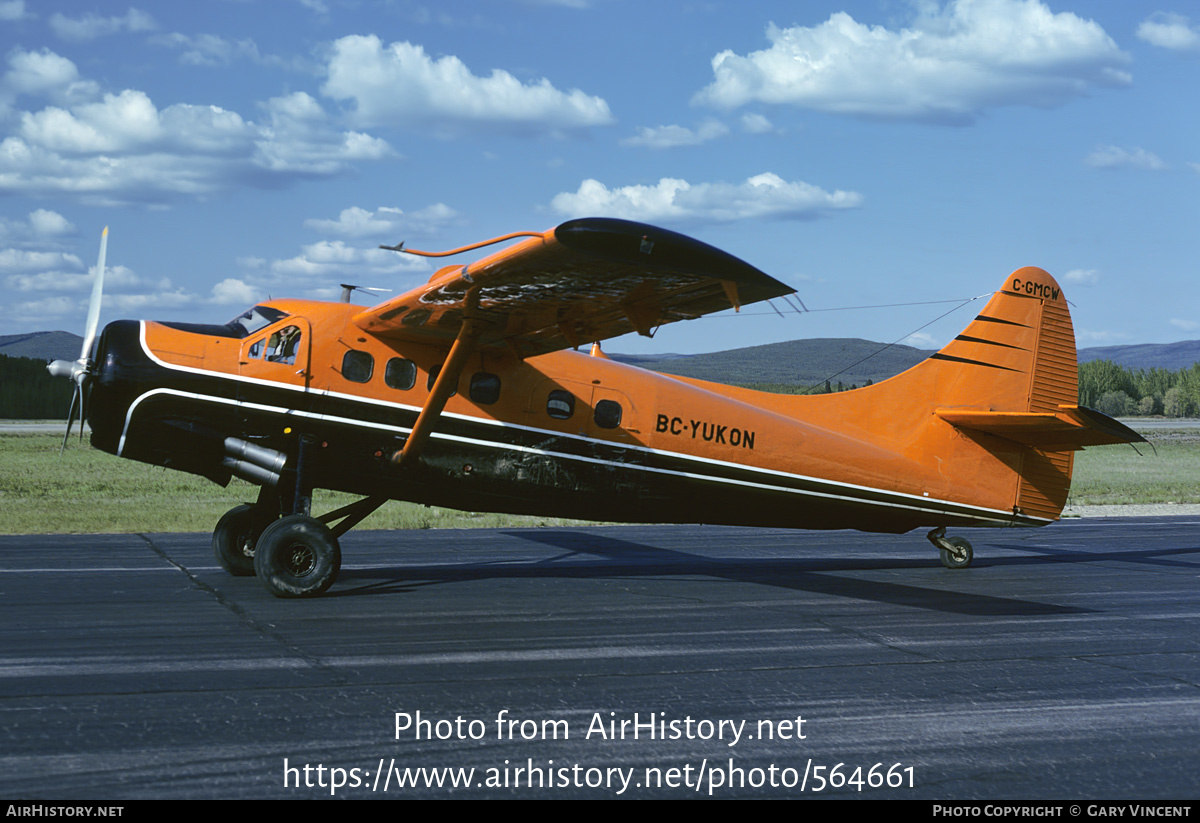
x=1070 y=428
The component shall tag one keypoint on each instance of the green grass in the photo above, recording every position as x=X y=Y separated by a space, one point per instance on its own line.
x=89 y=492
x=1114 y=475
x=86 y=491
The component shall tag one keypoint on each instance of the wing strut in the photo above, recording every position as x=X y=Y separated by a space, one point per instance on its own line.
x=447 y=380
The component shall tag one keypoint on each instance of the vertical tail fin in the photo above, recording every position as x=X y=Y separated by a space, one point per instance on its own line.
x=1024 y=343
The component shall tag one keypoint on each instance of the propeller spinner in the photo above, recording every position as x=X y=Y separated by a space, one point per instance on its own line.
x=80 y=370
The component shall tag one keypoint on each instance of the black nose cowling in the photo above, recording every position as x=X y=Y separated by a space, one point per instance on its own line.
x=121 y=373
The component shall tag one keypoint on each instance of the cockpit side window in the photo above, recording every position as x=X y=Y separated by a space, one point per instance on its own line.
x=283 y=345
x=279 y=347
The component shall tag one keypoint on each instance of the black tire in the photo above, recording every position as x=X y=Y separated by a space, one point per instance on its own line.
x=235 y=537
x=961 y=556
x=297 y=556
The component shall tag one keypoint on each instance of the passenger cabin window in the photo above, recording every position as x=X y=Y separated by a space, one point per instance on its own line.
x=400 y=373
x=608 y=414
x=485 y=388
x=358 y=366
x=433 y=373
x=560 y=404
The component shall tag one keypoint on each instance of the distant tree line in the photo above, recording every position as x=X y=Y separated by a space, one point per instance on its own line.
x=28 y=392
x=1121 y=392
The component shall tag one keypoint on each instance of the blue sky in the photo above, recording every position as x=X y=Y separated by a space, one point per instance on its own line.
x=865 y=151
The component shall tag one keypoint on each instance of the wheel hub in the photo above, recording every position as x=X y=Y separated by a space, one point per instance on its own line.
x=299 y=560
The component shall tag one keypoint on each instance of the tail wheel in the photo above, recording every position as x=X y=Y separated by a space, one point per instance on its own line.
x=956 y=553
x=297 y=556
x=235 y=537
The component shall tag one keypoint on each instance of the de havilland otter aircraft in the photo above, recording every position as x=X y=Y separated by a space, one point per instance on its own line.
x=468 y=392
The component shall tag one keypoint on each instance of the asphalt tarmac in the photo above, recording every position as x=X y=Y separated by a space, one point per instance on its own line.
x=610 y=662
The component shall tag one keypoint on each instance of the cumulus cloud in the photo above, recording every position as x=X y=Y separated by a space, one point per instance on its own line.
x=116 y=279
x=764 y=196
x=232 y=291
x=46 y=75
x=335 y=260
x=949 y=66
x=667 y=137
x=1115 y=157
x=91 y=25
x=385 y=221
x=1170 y=31
x=402 y=86
x=123 y=148
x=43 y=226
x=1082 y=277
x=21 y=260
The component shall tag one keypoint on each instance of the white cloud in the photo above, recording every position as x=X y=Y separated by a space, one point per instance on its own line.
x=1170 y=31
x=116 y=279
x=210 y=50
x=43 y=74
x=92 y=25
x=122 y=148
x=232 y=291
x=401 y=85
x=1082 y=277
x=756 y=124
x=46 y=223
x=765 y=196
x=921 y=340
x=1186 y=325
x=1113 y=157
x=13 y=10
x=43 y=227
x=333 y=261
x=666 y=137
x=1101 y=338
x=950 y=66
x=19 y=260
x=385 y=221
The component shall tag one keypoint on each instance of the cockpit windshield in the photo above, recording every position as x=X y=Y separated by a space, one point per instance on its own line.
x=256 y=318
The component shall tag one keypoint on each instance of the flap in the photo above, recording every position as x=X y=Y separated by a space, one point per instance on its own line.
x=1070 y=428
x=586 y=280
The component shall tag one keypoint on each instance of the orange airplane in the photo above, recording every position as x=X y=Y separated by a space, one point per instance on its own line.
x=468 y=392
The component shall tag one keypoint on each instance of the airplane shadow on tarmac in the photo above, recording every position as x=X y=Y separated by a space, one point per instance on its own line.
x=586 y=555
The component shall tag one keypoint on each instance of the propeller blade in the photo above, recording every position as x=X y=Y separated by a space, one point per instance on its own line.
x=93 y=315
x=75 y=395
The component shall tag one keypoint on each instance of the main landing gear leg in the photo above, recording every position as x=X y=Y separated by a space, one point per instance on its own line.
x=956 y=551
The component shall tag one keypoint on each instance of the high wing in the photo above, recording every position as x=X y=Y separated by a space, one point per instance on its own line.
x=583 y=281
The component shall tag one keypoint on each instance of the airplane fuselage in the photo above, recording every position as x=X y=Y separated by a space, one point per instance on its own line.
x=562 y=434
